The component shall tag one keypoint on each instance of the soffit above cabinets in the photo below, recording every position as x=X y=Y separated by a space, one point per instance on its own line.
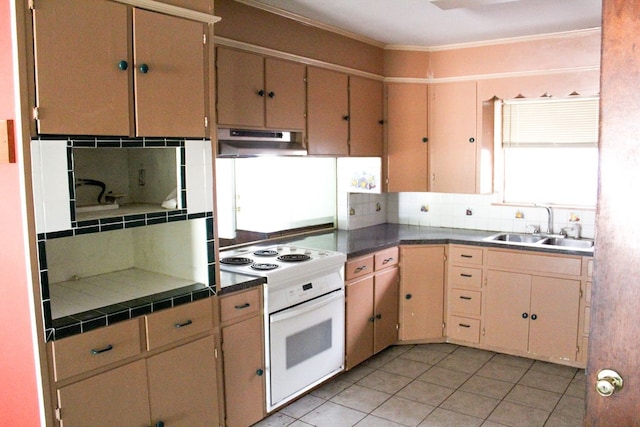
x=436 y=23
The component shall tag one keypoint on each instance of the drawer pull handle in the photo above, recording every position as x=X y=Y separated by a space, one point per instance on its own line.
x=465 y=297
x=361 y=268
x=101 y=350
x=387 y=260
x=462 y=325
x=466 y=275
x=245 y=305
x=466 y=256
x=183 y=324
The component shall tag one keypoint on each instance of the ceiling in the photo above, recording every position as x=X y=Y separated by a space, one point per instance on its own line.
x=433 y=23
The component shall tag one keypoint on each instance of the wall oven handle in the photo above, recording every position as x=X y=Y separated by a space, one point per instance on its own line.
x=307 y=306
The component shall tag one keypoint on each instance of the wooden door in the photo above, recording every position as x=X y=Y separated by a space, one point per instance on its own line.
x=240 y=79
x=80 y=87
x=115 y=398
x=183 y=385
x=359 y=321
x=553 y=330
x=452 y=137
x=285 y=94
x=508 y=297
x=244 y=372
x=170 y=95
x=387 y=288
x=365 y=116
x=328 y=112
x=407 y=146
x=615 y=317
x=421 y=292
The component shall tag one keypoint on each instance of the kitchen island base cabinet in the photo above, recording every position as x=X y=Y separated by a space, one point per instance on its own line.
x=422 y=293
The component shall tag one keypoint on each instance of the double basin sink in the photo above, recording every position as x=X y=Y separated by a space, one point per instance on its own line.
x=542 y=240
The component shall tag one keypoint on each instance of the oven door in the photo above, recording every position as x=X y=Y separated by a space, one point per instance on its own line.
x=306 y=345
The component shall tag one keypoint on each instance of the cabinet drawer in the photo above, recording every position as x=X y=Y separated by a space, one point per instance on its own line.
x=465 y=302
x=180 y=322
x=467 y=277
x=464 y=329
x=465 y=254
x=95 y=349
x=359 y=267
x=240 y=304
x=542 y=263
x=386 y=258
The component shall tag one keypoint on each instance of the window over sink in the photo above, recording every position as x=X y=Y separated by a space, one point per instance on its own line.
x=548 y=150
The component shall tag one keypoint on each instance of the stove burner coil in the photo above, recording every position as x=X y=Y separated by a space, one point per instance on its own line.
x=235 y=260
x=266 y=252
x=293 y=258
x=264 y=266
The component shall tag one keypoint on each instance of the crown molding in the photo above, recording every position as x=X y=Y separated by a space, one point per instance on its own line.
x=172 y=10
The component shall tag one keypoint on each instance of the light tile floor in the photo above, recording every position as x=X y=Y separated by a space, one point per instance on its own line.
x=442 y=385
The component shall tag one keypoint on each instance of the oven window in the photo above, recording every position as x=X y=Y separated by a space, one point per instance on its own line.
x=306 y=344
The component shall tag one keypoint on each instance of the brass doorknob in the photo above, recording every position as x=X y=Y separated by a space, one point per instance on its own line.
x=609 y=381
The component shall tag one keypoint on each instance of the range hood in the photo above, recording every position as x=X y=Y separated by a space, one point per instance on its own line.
x=253 y=143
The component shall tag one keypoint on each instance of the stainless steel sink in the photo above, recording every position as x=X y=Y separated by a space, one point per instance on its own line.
x=568 y=242
x=516 y=238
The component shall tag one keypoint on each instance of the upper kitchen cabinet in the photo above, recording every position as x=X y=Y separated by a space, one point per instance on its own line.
x=365 y=117
x=258 y=92
x=452 y=137
x=407 y=146
x=104 y=68
x=328 y=112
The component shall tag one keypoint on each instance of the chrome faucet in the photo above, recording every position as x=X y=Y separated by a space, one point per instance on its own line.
x=549 y=217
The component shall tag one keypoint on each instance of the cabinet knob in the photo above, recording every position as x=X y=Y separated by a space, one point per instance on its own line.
x=378 y=316
x=345 y=117
x=525 y=315
x=381 y=122
x=260 y=92
x=425 y=139
x=407 y=296
x=271 y=94
x=123 y=65
x=372 y=319
x=534 y=316
x=472 y=140
x=259 y=372
x=144 y=68
x=160 y=424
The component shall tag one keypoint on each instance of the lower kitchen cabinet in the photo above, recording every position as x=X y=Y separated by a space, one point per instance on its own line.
x=243 y=358
x=177 y=387
x=422 y=292
x=371 y=315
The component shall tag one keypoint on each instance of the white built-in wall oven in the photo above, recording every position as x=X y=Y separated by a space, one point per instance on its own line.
x=304 y=315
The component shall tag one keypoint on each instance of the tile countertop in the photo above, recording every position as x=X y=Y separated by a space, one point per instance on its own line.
x=363 y=241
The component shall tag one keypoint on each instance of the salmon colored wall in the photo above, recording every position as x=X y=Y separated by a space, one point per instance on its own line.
x=260 y=28
x=575 y=50
x=19 y=405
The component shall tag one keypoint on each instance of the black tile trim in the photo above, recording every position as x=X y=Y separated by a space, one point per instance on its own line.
x=93 y=319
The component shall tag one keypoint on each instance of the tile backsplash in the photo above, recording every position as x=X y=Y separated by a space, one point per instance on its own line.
x=480 y=212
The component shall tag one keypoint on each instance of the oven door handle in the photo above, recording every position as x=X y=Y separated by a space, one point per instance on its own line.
x=307 y=306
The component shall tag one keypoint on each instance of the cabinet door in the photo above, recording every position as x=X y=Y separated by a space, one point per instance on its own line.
x=365 y=114
x=359 y=321
x=80 y=88
x=183 y=385
x=407 y=151
x=452 y=137
x=170 y=95
x=243 y=372
x=240 y=80
x=507 y=310
x=386 y=309
x=115 y=398
x=285 y=94
x=421 y=292
x=328 y=112
x=555 y=305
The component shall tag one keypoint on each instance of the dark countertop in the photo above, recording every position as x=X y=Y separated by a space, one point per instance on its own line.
x=363 y=241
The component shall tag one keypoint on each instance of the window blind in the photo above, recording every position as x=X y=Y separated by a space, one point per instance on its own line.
x=550 y=122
